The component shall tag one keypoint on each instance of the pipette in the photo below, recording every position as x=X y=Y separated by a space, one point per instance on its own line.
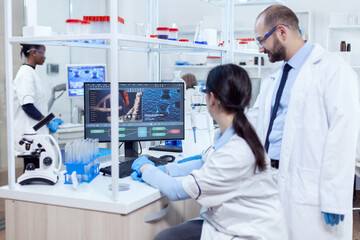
x=193 y=123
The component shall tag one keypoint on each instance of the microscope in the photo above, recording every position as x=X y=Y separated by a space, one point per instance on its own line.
x=41 y=154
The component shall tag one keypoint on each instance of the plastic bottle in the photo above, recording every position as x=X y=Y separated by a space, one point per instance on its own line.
x=162 y=32
x=343 y=46
x=173 y=34
x=200 y=37
x=348 y=47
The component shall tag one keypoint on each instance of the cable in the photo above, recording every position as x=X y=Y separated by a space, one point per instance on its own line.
x=121 y=145
x=60 y=95
x=140 y=148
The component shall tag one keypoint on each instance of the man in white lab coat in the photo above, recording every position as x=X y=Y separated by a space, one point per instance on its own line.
x=307 y=115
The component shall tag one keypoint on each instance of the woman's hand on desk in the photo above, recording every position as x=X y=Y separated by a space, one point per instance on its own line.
x=139 y=166
x=139 y=163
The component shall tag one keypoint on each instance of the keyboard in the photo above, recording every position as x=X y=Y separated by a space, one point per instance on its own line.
x=70 y=125
x=166 y=148
x=125 y=167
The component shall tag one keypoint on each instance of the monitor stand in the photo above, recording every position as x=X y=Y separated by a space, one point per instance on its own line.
x=131 y=151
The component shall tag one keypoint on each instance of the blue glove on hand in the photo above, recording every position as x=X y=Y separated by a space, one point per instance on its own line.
x=135 y=177
x=138 y=163
x=332 y=218
x=190 y=158
x=138 y=178
x=54 y=124
x=58 y=121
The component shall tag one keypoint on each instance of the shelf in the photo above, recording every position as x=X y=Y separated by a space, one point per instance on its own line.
x=211 y=66
x=251 y=54
x=344 y=28
x=157 y=45
x=245 y=2
x=194 y=67
x=255 y=67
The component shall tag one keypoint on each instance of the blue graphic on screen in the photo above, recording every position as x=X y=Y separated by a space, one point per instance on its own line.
x=147 y=111
x=78 y=74
x=161 y=105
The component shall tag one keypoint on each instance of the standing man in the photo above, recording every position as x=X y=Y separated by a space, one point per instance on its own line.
x=307 y=116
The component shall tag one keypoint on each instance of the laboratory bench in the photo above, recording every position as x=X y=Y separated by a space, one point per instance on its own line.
x=42 y=212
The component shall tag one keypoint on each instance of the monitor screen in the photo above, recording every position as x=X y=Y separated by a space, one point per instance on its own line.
x=147 y=111
x=78 y=74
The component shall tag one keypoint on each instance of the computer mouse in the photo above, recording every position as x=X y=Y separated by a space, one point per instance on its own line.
x=169 y=158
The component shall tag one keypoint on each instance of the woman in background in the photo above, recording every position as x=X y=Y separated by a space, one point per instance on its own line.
x=30 y=93
x=190 y=81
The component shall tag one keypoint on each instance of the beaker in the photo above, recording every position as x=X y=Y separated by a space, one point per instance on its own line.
x=142 y=29
x=178 y=78
x=200 y=37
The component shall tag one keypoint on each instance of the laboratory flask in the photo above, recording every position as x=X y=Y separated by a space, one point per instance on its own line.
x=200 y=37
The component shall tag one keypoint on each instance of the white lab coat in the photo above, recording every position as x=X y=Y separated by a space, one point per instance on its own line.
x=316 y=171
x=239 y=202
x=28 y=88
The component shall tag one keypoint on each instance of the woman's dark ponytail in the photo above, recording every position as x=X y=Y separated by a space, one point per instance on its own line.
x=232 y=87
x=244 y=129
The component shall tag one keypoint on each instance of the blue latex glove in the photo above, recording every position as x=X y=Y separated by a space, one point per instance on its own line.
x=58 y=121
x=138 y=178
x=53 y=125
x=135 y=177
x=332 y=218
x=190 y=158
x=138 y=163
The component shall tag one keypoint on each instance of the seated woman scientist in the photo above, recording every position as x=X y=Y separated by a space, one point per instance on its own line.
x=232 y=179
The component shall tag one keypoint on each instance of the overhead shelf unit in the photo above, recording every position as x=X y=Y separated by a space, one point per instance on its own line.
x=229 y=30
x=350 y=34
x=306 y=23
x=113 y=43
x=244 y=2
x=125 y=42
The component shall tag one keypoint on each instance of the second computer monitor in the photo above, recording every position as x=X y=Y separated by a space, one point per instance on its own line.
x=147 y=111
x=77 y=74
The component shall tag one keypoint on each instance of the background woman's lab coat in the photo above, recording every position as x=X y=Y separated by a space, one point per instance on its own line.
x=239 y=202
x=317 y=157
x=28 y=88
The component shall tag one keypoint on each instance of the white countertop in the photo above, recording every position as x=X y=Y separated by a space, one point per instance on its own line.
x=93 y=196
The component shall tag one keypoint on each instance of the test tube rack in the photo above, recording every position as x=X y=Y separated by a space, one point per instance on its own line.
x=85 y=172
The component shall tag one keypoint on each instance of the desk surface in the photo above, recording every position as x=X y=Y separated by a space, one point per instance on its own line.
x=93 y=196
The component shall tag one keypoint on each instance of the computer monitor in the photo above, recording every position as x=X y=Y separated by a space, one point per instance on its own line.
x=77 y=74
x=147 y=111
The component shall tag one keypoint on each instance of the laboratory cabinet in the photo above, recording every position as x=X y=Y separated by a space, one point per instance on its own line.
x=36 y=221
x=45 y=212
